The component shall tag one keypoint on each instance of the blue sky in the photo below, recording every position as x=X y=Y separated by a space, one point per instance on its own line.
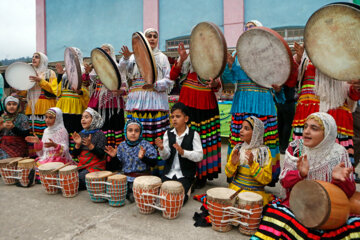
x=17 y=28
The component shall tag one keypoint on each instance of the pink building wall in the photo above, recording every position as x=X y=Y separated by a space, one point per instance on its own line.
x=41 y=26
x=233 y=21
x=151 y=14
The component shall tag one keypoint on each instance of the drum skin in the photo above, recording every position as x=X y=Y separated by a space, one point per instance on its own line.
x=208 y=50
x=144 y=57
x=332 y=40
x=17 y=75
x=106 y=69
x=319 y=204
x=72 y=67
x=264 y=56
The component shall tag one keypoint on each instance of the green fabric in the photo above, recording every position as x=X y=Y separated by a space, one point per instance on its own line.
x=225 y=118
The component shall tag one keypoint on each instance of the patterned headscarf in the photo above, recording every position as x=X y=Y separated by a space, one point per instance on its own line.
x=256 y=146
x=10 y=116
x=323 y=157
x=133 y=122
x=97 y=121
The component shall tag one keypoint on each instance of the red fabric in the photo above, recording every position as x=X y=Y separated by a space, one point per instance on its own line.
x=292 y=80
x=91 y=162
x=85 y=80
x=354 y=94
x=175 y=72
x=14 y=146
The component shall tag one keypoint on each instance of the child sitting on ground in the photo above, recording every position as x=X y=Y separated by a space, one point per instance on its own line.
x=90 y=145
x=135 y=154
x=249 y=164
x=181 y=148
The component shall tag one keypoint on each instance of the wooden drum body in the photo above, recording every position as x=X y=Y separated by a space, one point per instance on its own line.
x=48 y=178
x=69 y=181
x=116 y=190
x=252 y=206
x=319 y=204
x=95 y=185
x=8 y=170
x=25 y=176
x=146 y=189
x=218 y=200
x=171 y=197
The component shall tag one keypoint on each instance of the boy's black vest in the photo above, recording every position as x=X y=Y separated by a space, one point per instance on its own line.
x=188 y=167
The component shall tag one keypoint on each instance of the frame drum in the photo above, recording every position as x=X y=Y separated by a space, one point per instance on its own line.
x=144 y=57
x=332 y=40
x=106 y=69
x=265 y=56
x=17 y=75
x=72 y=67
x=208 y=51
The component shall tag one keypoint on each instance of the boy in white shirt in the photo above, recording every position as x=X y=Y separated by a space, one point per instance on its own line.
x=181 y=148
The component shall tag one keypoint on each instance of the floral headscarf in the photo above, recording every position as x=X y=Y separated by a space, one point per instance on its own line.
x=10 y=116
x=97 y=121
x=133 y=122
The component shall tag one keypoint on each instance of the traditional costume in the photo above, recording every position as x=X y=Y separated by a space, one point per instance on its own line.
x=12 y=142
x=149 y=106
x=255 y=177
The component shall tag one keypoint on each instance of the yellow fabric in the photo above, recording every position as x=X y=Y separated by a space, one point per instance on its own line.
x=69 y=101
x=259 y=175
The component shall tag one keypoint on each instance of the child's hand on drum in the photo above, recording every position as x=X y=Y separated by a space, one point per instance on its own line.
x=141 y=152
x=32 y=139
x=179 y=149
x=110 y=151
x=250 y=157
x=77 y=139
x=303 y=166
x=50 y=144
x=59 y=68
x=159 y=143
x=340 y=172
x=235 y=158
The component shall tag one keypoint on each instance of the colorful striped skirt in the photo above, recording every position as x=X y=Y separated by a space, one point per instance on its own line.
x=207 y=124
x=280 y=223
x=39 y=127
x=271 y=138
x=155 y=124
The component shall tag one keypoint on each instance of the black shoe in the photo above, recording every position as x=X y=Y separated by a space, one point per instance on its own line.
x=356 y=177
x=130 y=198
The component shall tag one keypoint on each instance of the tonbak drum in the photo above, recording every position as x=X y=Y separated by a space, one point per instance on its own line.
x=265 y=56
x=95 y=184
x=116 y=190
x=218 y=200
x=26 y=172
x=208 y=51
x=332 y=40
x=106 y=68
x=48 y=178
x=318 y=204
x=8 y=171
x=144 y=57
x=145 y=189
x=69 y=180
x=171 y=199
x=17 y=75
x=72 y=67
x=252 y=204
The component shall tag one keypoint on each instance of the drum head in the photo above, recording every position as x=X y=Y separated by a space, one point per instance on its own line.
x=72 y=67
x=208 y=50
x=310 y=203
x=117 y=177
x=265 y=56
x=106 y=69
x=172 y=187
x=68 y=168
x=50 y=166
x=147 y=181
x=99 y=174
x=249 y=197
x=220 y=193
x=17 y=75
x=144 y=57
x=25 y=161
x=332 y=40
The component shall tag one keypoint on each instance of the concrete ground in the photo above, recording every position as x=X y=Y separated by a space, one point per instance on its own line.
x=30 y=213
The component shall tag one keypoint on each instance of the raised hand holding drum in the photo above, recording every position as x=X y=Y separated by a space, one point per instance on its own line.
x=208 y=51
x=265 y=56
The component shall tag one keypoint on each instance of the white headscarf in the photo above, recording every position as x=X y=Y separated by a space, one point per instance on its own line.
x=58 y=124
x=112 y=50
x=323 y=157
x=256 y=146
x=156 y=50
x=256 y=22
x=97 y=121
x=43 y=65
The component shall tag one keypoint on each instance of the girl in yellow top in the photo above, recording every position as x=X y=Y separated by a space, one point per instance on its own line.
x=72 y=102
x=250 y=162
x=41 y=97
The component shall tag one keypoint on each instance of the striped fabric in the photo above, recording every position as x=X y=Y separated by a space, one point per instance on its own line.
x=279 y=223
x=155 y=124
x=271 y=137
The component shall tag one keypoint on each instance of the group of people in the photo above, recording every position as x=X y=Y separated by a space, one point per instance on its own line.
x=87 y=127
